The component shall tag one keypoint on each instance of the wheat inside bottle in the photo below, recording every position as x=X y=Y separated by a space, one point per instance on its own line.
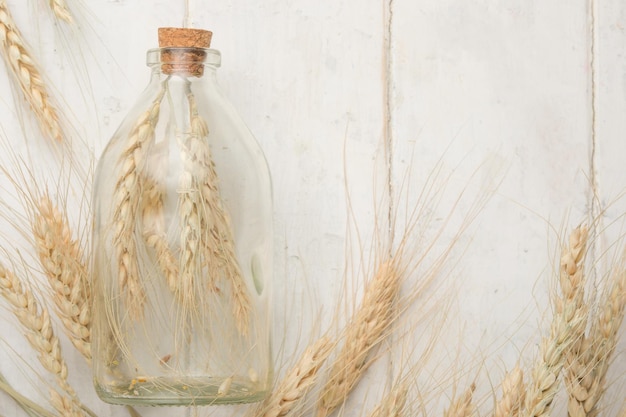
x=182 y=242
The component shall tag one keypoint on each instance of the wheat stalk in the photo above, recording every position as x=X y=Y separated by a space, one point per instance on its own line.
x=513 y=393
x=462 y=407
x=126 y=200
x=206 y=223
x=297 y=382
x=366 y=329
x=27 y=75
x=622 y=412
x=60 y=255
x=61 y=11
x=568 y=326
x=24 y=403
x=393 y=404
x=590 y=379
x=38 y=327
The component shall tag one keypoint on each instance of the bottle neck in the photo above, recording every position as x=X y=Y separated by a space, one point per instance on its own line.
x=193 y=64
x=209 y=75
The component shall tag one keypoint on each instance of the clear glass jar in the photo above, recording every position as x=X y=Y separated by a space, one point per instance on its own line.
x=182 y=245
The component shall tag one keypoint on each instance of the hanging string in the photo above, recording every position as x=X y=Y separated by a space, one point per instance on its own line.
x=187 y=20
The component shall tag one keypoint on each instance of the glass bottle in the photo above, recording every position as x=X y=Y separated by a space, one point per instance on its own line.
x=182 y=242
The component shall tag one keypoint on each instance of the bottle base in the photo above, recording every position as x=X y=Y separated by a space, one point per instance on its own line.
x=163 y=391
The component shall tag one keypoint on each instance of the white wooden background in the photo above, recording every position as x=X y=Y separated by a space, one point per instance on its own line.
x=351 y=95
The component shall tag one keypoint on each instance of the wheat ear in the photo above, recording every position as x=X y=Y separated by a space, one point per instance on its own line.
x=154 y=231
x=362 y=334
x=568 y=324
x=462 y=406
x=126 y=199
x=38 y=330
x=513 y=393
x=393 y=404
x=599 y=349
x=61 y=258
x=190 y=211
x=297 y=382
x=27 y=75
x=64 y=405
x=61 y=11
x=579 y=378
x=206 y=222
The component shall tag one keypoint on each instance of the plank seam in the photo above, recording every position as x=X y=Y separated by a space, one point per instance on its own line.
x=594 y=203
x=388 y=136
x=387 y=109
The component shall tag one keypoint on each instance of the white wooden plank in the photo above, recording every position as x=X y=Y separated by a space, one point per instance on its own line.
x=307 y=76
x=609 y=152
x=503 y=83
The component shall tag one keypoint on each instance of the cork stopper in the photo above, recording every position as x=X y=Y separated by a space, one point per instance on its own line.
x=184 y=38
x=182 y=50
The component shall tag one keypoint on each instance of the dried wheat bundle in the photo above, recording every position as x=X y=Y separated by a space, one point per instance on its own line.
x=61 y=258
x=39 y=332
x=513 y=393
x=126 y=199
x=297 y=382
x=61 y=10
x=568 y=326
x=393 y=404
x=27 y=75
x=364 y=332
x=205 y=223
